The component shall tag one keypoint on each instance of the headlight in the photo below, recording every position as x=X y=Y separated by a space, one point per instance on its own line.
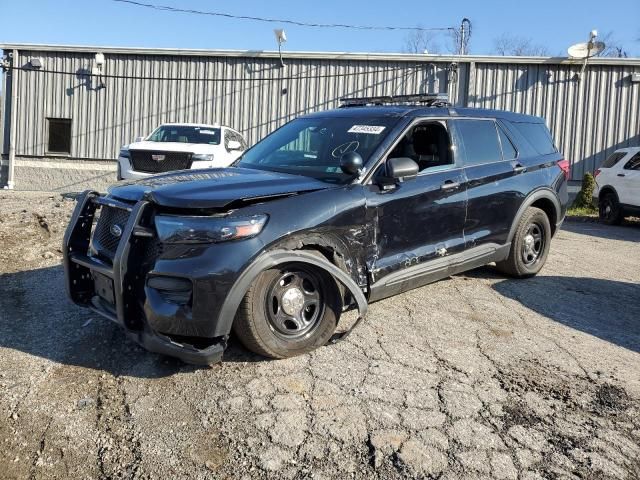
x=202 y=157
x=208 y=229
x=124 y=152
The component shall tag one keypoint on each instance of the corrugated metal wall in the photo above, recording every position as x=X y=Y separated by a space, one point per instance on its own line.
x=255 y=104
x=589 y=119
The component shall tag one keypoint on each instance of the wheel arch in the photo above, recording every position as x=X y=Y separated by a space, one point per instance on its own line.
x=273 y=258
x=544 y=199
x=608 y=189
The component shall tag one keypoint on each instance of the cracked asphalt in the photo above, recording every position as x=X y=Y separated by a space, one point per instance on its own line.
x=476 y=376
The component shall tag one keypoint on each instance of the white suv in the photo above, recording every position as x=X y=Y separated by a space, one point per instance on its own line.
x=180 y=146
x=618 y=186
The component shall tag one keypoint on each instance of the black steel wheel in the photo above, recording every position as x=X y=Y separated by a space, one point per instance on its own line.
x=295 y=303
x=609 y=209
x=288 y=311
x=529 y=246
x=533 y=243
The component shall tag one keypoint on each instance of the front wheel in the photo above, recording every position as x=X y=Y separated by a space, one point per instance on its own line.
x=530 y=245
x=288 y=311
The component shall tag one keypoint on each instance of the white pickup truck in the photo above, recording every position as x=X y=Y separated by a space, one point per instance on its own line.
x=180 y=146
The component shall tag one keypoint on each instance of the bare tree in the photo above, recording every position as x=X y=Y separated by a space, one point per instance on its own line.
x=454 y=41
x=513 y=45
x=419 y=41
x=613 y=48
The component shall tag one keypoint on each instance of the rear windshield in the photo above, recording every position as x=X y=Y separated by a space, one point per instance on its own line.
x=612 y=159
x=186 y=134
x=538 y=136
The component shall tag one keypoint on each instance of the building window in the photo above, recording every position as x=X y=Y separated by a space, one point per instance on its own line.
x=59 y=135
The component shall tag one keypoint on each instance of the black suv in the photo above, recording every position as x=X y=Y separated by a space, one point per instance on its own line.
x=333 y=210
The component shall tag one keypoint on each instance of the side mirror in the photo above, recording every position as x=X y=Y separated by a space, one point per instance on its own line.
x=139 y=139
x=351 y=163
x=402 y=167
x=234 y=145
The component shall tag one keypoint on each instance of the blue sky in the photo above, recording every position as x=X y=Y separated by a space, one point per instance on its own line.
x=553 y=23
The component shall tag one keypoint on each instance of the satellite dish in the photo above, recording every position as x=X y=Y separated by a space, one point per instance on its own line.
x=586 y=49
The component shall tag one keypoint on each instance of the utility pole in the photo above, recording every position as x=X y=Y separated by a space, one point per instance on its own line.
x=465 y=34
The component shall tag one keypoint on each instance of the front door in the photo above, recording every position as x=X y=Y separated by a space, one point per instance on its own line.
x=418 y=220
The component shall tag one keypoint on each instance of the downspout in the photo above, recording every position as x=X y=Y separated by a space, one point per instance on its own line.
x=12 y=122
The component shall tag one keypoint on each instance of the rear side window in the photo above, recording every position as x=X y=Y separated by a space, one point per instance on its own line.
x=634 y=163
x=538 y=136
x=480 y=139
x=612 y=159
x=508 y=150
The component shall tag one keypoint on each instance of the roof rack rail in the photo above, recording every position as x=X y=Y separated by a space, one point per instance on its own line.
x=428 y=99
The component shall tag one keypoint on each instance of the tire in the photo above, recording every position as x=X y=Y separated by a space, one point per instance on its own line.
x=609 y=209
x=270 y=320
x=529 y=246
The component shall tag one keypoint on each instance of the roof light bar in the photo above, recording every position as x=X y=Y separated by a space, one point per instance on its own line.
x=430 y=99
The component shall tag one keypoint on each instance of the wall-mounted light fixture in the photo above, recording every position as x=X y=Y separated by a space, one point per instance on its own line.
x=281 y=37
x=97 y=70
x=35 y=63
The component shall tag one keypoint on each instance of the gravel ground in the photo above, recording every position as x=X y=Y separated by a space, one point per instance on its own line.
x=476 y=376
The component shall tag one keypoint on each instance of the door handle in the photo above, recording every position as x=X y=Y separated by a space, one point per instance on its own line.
x=519 y=168
x=621 y=175
x=449 y=185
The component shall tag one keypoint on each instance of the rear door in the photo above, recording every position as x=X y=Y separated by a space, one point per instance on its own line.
x=493 y=172
x=607 y=173
x=629 y=181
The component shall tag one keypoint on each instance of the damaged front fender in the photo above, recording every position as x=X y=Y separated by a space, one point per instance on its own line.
x=272 y=259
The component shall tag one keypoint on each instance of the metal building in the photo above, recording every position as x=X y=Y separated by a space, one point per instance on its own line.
x=65 y=116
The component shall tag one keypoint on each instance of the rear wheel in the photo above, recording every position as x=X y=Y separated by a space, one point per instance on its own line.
x=609 y=209
x=288 y=311
x=530 y=245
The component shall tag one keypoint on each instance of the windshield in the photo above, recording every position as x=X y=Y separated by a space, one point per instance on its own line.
x=186 y=134
x=313 y=146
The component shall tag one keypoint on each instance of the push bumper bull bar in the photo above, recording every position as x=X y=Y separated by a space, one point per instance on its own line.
x=82 y=272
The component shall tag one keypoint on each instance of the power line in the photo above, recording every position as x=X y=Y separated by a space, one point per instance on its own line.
x=279 y=20
x=87 y=74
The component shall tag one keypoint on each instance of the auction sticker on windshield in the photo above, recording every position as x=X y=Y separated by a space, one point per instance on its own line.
x=372 y=129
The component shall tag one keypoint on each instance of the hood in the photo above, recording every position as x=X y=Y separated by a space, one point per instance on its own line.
x=172 y=147
x=213 y=188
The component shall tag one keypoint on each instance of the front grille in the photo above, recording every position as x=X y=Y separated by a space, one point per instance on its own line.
x=157 y=162
x=105 y=239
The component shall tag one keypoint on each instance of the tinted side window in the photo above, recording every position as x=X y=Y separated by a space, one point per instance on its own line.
x=634 y=163
x=538 y=135
x=508 y=150
x=480 y=139
x=612 y=159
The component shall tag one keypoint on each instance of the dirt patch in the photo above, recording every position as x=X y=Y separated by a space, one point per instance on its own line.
x=611 y=398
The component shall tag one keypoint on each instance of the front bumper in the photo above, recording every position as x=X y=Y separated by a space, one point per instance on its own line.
x=115 y=289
